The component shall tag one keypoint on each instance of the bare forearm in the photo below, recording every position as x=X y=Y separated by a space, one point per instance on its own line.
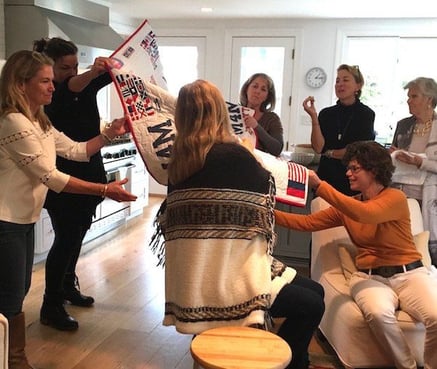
x=113 y=190
x=79 y=186
x=317 y=139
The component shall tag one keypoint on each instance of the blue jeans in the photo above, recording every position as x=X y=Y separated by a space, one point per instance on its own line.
x=16 y=261
x=70 y=229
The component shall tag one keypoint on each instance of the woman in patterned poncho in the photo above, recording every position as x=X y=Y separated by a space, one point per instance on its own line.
x=217 y=223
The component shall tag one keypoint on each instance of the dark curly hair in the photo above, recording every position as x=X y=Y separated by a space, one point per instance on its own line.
x=55 y=47
x=372 y=157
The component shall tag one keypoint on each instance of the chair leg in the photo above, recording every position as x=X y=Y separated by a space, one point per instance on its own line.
x=196 y=365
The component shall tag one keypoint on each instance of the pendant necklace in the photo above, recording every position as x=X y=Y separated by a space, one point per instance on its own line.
x=341 y=132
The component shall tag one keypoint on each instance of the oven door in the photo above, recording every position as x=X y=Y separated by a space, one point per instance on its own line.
x=109 y=206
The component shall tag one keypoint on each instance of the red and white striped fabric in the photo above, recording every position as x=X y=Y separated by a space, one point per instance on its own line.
x=291 y=179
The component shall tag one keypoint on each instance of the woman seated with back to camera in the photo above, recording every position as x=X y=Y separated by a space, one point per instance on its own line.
x=218 y=222
x=390 y=271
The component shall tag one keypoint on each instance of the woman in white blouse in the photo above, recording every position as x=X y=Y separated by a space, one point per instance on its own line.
x=416 y=137
x=28 y=148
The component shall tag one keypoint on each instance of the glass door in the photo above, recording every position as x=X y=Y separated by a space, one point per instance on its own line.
x=270 y=55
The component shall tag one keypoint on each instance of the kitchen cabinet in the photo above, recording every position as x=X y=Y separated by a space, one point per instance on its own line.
x=293 y=246
x=44 y=233
x=139 y=185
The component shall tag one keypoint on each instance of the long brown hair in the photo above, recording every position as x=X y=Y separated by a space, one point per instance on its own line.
x=202 y=120
x=19 y=69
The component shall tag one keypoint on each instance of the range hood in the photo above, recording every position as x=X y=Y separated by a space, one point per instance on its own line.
x=83 y=22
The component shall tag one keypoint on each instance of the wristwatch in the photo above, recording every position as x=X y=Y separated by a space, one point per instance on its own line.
x=328 y=153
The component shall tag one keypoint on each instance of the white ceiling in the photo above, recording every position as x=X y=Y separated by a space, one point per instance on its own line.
x=170 y=9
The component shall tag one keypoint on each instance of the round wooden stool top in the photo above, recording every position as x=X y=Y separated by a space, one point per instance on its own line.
x=240 y=347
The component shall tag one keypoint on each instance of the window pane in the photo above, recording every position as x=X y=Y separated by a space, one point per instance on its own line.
x=387 y=64
x=180 y=66
x=268 y=60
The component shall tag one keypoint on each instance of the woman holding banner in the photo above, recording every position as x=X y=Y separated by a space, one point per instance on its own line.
x=258 y=93
x=74 y=111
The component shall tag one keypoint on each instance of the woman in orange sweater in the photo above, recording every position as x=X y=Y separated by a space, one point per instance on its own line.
x=390 y=269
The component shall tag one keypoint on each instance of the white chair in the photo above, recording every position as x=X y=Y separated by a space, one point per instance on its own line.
x=343 y=324
x=4 y=340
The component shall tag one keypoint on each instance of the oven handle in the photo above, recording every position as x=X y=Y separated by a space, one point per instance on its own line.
x=118 y=168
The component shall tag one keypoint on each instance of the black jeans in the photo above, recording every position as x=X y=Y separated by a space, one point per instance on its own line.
x=16 y=261
x=70 y=230
x=301 y=303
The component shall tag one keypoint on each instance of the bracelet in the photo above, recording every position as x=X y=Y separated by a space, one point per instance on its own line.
x=103 y=191
x=328 y=153
x=106 y=138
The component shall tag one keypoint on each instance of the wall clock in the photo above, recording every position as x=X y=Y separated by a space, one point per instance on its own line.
x=315 y=77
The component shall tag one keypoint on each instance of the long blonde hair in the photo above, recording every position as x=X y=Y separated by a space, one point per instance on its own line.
x=19 y=69
x=201 y=120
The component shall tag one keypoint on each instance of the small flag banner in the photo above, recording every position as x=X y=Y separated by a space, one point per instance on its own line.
x=291 y=179
x=141 y=87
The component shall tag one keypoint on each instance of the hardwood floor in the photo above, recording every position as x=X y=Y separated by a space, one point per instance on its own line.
x=123 y=329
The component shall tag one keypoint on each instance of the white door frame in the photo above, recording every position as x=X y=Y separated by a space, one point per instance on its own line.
x=289 y=113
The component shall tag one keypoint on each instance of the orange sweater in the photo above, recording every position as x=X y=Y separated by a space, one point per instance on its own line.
x=380 y=227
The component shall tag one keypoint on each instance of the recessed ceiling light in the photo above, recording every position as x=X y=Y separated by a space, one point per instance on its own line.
x=206 y=10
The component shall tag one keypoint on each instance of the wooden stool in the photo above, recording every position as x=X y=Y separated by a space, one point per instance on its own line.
x=239 y=347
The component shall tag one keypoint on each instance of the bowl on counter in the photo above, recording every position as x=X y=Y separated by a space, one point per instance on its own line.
x=303 y=158
x=307 y=148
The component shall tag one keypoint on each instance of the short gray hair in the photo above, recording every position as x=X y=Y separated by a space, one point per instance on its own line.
x=427 y=86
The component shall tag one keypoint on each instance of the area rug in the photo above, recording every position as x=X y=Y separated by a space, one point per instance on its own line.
x=324 y=361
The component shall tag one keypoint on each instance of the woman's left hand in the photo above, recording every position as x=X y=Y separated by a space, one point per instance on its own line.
x=409 y=158
x=118 y=127
x=250 y=121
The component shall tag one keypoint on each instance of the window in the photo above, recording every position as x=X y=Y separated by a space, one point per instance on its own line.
x=387 y=64
x=182 y=59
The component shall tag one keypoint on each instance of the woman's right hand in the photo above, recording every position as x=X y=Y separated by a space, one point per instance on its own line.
x=116 y=191
x=308 y=106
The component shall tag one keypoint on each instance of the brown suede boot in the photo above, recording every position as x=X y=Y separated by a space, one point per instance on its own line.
x=17 y=342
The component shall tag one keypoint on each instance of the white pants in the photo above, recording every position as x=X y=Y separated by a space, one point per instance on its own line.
x=415 y=292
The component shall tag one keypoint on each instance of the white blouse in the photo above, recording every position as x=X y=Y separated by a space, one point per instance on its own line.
x=28 y=166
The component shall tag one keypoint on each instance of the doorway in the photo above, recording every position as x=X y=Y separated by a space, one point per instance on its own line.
x=273 y=56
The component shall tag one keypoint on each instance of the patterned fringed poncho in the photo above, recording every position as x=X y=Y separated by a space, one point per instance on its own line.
x=218 y=230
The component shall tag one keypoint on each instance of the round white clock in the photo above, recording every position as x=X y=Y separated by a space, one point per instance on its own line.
x=315 y=77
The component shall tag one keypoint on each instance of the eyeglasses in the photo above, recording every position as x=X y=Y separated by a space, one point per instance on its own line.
x=353 y=168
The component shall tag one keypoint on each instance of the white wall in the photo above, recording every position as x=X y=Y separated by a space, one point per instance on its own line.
x=318 y=43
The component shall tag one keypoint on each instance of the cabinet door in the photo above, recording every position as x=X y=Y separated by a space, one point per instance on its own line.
x=290 y=243
x=44 y=234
